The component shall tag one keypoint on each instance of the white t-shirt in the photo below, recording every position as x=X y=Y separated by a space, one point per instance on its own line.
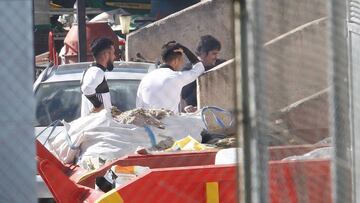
x=94 y=78
x=162 y=87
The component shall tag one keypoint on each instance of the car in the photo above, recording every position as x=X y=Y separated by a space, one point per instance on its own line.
x=58 y=97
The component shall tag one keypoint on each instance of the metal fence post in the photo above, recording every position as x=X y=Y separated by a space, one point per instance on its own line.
x=340 y=103
x=254 y=111
x=81 y=12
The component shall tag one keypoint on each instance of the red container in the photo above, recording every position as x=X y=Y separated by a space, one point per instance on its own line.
x=300 y=181
x=199 y=181
x=212 y=183
x=166 y=160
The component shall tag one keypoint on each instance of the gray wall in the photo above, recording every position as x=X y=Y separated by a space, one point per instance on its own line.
x=295 y=38
x=296 y=65
x=308 y=119
x=296 y=59
x=296 y=68
x=217 y=87
x=282 y=16
x=207 y=17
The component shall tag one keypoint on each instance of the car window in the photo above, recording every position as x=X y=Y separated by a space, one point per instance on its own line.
x=62 y=100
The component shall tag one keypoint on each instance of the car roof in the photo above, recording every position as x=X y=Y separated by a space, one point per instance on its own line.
x=122 y=70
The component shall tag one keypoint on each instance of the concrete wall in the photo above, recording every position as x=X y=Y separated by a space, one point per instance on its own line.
x=217 y=87
x=282 y=16
x=296 y=64
x=296 y=46
x=308 y=119
x=296 y=61
x=296 y=68
x=207 y=17
x=295 y=37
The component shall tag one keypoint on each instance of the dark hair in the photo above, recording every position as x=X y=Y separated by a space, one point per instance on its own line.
x=167 y=52
x=99 y=45
x=208 y=43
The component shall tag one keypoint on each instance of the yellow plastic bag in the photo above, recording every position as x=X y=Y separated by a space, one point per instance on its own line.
x=187 y=143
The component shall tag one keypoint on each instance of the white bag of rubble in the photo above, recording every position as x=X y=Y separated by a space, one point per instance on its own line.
x=99 y=135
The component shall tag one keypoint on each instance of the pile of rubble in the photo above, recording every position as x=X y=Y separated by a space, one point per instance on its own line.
x=144 y=117
x=141 y=117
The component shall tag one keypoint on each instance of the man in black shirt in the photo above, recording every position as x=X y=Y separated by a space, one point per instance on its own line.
x=207 y=50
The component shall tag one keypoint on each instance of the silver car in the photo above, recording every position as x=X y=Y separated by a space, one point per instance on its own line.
x=58 y=96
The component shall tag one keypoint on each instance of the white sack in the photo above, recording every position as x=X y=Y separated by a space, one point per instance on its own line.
x=99 y=135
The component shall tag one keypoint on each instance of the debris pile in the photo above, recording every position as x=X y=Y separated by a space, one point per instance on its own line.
x=220 y=138
x=142 y=117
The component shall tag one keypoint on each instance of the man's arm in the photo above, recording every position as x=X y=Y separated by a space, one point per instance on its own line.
x=94 y=100
x=185 y=77
x=92 y=79
x=191 y=56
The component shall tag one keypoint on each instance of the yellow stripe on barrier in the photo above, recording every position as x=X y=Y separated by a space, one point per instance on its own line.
x=85 y=176
x=110 y=197
x=212 y=192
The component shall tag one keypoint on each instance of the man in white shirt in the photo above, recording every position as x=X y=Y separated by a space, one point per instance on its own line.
x=161 y=88
x=94 y=87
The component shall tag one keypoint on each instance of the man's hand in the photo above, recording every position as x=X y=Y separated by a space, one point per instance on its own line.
x=95 y=110
x=191 y=56
x=180 y=50
x=190 y=109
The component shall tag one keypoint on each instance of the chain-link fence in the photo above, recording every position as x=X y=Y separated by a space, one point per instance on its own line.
x=276 y=121
x=303 y=120
x=17 y=144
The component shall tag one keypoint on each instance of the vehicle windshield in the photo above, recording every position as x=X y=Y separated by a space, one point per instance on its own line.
x=62 y=100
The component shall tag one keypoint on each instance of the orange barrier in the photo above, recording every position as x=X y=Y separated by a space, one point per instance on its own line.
x=300 y=181
x=182 y=159
x=63 y=189
x=180 y=184
x=72 y=171
x=164 y=160
x=200 y=181
x=54 y=172
x=289 y=182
